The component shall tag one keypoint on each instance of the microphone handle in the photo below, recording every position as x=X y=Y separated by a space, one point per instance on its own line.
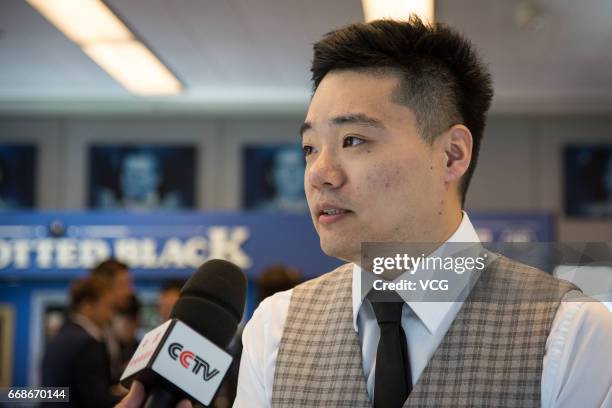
x=160 y=398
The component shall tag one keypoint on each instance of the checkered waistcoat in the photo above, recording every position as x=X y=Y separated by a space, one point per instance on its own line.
x=491 y=356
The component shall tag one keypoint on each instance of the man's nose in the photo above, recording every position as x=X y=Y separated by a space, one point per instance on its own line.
x=325 y=171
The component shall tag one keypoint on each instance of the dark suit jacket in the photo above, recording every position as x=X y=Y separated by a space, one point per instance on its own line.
x=75 y=359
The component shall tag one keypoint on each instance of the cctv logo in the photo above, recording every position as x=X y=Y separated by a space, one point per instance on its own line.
x=187 y=358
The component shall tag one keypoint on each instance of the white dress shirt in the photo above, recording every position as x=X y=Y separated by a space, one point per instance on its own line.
x=577 y=362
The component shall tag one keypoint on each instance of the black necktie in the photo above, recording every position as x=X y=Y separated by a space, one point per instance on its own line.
x=393 y=379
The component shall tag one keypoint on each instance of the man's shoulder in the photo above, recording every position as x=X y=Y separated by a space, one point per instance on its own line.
x=522 y=273
x=73 y=337
x=72 y=330
x=507 y=279
x=502 y=262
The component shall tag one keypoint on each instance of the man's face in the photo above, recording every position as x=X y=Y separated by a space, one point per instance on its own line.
x=166 y=302
x=103 y=309
x=122 y=288
x=365 y=157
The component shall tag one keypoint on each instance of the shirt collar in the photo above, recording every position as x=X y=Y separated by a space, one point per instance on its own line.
x=430 y=313
x=90 y=327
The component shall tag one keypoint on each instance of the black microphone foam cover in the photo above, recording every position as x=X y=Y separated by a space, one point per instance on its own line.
x=212 y=301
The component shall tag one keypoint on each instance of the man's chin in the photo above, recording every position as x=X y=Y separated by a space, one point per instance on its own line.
x=339 y=251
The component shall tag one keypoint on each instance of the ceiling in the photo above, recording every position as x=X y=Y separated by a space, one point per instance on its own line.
x=253 y=55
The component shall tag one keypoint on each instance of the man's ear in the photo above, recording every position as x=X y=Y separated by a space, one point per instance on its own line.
x=458 y=151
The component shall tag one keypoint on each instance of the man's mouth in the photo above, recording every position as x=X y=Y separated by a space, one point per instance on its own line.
x=329 y=215
x=333 y=211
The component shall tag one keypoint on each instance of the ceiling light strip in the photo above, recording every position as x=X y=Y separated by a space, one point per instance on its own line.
x=398 y=9
x=110 y=43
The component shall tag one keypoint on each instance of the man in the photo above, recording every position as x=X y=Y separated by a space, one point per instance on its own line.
x=276 y=278
x=126 y=326
x=169 y=293
x=117 y=276
x=77 y=357
x=391 y=140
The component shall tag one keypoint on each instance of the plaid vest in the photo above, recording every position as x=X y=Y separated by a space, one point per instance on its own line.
x=491 y=356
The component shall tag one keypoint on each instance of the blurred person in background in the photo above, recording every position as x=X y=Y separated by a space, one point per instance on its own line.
x=276 y=278
x=77 y=356
x=169 y=293
x=117 y=276
x=126 y=326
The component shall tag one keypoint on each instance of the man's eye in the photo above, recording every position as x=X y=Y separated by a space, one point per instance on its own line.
x=352 y=141
x=307 y=150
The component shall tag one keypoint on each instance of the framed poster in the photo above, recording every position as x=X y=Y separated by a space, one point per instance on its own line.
x=141 y=177
x=7 y=328
x=274 y=178
x=588 y=180
x=17 y=176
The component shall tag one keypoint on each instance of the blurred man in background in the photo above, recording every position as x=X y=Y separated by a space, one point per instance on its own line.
x=117 y=276
x=168 y=295
x=77 y=356
x=276 y=278
x=126 y=326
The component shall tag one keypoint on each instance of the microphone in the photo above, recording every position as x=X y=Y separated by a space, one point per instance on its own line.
x=185 y=356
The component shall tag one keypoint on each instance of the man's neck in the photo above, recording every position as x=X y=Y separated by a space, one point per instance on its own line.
x=427 y=242
x=451 y=225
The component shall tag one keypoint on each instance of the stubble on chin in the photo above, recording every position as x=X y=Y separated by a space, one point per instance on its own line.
x=339 y=249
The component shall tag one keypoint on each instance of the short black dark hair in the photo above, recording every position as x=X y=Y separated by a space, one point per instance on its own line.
x=109 y=269
x=87 y=289
x=276 y=278
x=172 y=284
x=443 y=81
